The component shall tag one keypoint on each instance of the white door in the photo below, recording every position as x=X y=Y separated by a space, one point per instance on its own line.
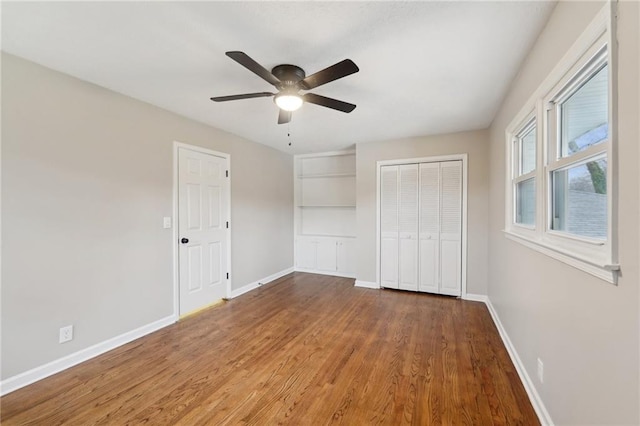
x=451 y=228
x=429 y=227
x=408 y=228
x=203 y=193
x=389 y=226
x=421 y=227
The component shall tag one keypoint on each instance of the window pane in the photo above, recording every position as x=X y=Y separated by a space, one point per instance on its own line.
x=585 y=115
x=526 y=202
x=580 y=199
x=528 y=152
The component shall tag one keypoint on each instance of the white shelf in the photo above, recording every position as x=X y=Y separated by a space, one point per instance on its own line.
x=326 y=175
x=326 y=206
x=326 y=236
x=325 y=213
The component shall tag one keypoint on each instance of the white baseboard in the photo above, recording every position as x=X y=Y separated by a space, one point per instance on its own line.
x=332 y=274
x=23 y=379
x=476 y=297
x=534 y=397
x=367 y=284
x=252 y=286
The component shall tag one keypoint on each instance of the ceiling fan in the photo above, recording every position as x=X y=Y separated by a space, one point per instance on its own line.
x=290 y=80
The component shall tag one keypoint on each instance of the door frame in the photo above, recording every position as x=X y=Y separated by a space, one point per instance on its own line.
x=435 y=159
x=176 y=221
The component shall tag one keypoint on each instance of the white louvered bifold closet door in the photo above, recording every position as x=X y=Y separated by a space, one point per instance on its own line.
x=451 y=227
x=408 y=227
x=389 y=226
x=429 y=227
x=421 y=227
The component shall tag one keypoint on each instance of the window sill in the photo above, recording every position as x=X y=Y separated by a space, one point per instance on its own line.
x=606 y=272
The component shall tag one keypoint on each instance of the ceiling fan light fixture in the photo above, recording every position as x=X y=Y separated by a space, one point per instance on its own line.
x=288 y=101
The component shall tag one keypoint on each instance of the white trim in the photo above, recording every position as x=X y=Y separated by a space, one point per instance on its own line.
x=529 y=387
x=433 y=159
x=176 y=230
x=606 y=272
x=28 y=377
x=366 y=284
x=330 y=273
x=327 y=154
x=476 y=297
x=464 y=157
x=378 y=225
x=255 y=284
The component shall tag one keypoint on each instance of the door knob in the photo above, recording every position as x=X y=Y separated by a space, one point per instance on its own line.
x=184 y=240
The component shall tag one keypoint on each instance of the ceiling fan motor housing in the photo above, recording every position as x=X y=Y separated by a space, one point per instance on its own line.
x=289 y=75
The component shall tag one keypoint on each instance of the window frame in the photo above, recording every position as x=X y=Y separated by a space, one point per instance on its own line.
x=592 y=51
x=517 y=177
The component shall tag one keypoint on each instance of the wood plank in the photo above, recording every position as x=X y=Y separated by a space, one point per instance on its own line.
x=306 y=349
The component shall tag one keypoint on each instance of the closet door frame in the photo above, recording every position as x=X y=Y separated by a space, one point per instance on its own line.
x=434 y=159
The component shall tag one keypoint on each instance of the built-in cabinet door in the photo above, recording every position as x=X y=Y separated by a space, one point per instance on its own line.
x=408 y=227
x=451 y=228
x=429 y=227
x=306 y=253
x=326 y=257
x=389 y=226
x=346 y=256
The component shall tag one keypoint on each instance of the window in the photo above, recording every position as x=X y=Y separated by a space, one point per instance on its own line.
x=524 y=181
x=579 y=138
x=559 y=197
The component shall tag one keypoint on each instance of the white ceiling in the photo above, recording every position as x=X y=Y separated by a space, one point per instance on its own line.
x=425 y=67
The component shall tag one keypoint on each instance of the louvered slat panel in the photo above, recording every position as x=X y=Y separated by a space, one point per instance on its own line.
x=389 y=199
x=429 y=198
x=408 y=224
x=408 y=220
x=389 y=226
x=451 y=227
x=451 y=213
x=429 y=226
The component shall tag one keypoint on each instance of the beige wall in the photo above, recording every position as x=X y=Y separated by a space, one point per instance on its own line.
x=86 y=180
x=475 y=144
x=585 y=330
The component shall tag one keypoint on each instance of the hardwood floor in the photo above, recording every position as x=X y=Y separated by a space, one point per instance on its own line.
x=304 y=350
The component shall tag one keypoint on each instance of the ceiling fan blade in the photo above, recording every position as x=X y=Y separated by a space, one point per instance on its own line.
x=244 y=60
x=284 y=117
x=328 y=102
x=334 y=72
x=245 y=96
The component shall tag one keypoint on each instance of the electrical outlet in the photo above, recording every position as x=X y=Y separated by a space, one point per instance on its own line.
x=540 y=371
x=66 y=333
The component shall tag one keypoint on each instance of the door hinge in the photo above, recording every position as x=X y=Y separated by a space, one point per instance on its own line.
x=227 y=275
x=227 y=224
x=226 y=173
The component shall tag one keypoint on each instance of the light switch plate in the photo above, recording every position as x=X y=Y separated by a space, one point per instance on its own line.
x=166 y=222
